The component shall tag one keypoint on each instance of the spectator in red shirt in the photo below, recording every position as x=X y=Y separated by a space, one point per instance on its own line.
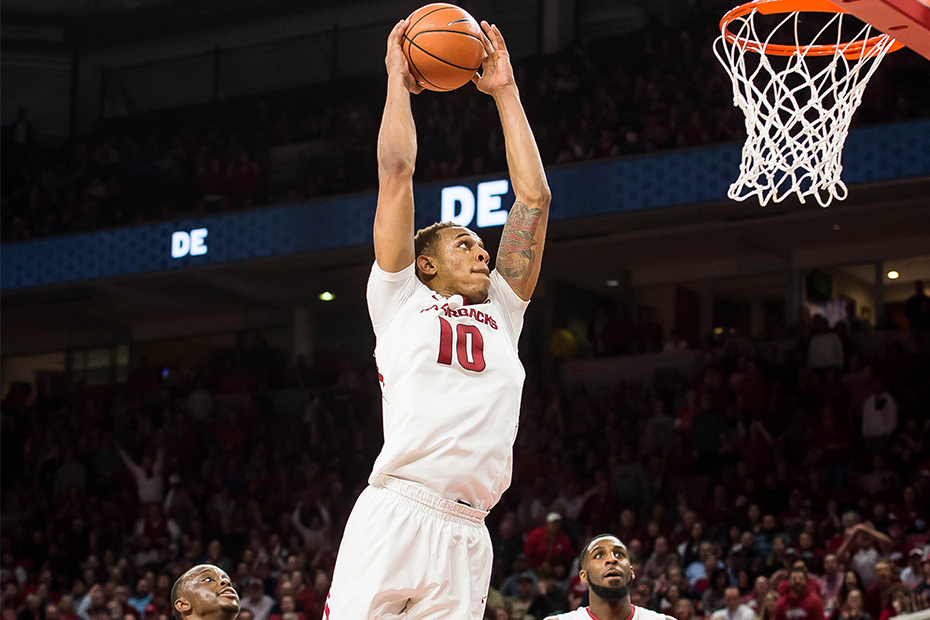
x=312 y=598
x=718 y=509
x=628 y=530
x=682 y=531
x=757 y=449
x=911 y=516
x=876 y=597
x=548 y=544
x=800 y=602
x=900 y=544
x=900 y=601
x=600 y=509
x=791 y=517
x=755 y=392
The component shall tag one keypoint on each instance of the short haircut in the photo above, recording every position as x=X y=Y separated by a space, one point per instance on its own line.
x=797 y=569
x=587 y=547
x=424 y=242
x=175 y=595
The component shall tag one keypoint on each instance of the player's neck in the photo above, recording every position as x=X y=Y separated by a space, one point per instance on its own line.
x=219 y=614
x=447 y=292
x=611 y=610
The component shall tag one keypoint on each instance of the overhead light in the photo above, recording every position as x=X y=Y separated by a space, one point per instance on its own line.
x=327 y=296
x=718 y=331
x=613 y=283
x=893 y=275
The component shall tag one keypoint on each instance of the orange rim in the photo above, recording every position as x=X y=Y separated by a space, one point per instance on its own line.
x=852 y=51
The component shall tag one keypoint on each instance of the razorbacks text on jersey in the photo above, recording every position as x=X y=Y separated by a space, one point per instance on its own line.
x=584 y=613
x=451 y=383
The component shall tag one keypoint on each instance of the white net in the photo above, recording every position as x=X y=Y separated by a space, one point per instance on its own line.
x=798 y=77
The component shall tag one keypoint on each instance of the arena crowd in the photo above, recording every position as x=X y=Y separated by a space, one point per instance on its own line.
x=765 y=485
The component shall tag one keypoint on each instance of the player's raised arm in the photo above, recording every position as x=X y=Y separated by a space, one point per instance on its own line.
x=520 y=253
x=397 y=155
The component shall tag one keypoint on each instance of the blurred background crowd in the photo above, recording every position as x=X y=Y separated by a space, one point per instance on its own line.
x=769 y=482
x=720 y=482
x=668 y=92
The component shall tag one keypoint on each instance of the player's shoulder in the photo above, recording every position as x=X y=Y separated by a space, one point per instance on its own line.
x=641 y=613
x=583 y=613
x=579 y=614
x=378 y=274
x=501 y=291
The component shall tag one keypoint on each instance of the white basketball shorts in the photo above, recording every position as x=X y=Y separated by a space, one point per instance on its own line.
x=407 y=553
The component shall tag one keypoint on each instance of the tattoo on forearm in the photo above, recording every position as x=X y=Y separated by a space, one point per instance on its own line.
x=516 y=256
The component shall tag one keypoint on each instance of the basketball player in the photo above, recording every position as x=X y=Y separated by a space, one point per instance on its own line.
x=204 y=592
x=606 y=569
x=415 y=545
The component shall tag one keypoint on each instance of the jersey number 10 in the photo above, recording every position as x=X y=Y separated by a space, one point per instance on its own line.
x=469 y=347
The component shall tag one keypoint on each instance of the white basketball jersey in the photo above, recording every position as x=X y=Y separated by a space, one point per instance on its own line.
x=451 y=383
x=584 y=613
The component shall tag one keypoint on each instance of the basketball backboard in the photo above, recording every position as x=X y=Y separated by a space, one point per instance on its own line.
x=908 y=21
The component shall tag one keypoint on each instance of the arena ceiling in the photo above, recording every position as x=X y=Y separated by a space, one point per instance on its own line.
x=95 y=24
x=91 y=7
x=77 y=7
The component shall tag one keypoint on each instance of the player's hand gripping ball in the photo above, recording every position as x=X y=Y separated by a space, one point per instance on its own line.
x=444 y=46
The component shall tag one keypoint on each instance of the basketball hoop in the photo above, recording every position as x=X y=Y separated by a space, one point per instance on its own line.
x=798 y=87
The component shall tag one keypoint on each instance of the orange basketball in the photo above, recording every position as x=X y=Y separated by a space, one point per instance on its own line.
x=443 y=45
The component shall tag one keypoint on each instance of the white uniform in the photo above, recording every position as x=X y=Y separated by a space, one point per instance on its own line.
x=451 y=381
x=584 y=613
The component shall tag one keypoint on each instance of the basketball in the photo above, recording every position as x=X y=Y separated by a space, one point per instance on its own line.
x=443 y=45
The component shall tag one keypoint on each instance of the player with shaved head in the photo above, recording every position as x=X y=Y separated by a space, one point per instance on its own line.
x=606 y=569
x=205 y=592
